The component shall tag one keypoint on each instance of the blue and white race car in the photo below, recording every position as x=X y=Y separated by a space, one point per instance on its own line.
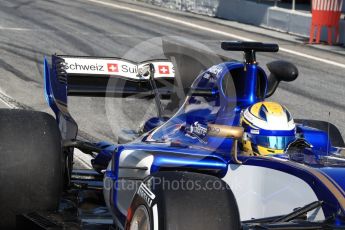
x=228 y=159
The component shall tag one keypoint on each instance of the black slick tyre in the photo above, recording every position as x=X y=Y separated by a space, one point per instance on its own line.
x=31 y=164
x=183 y=200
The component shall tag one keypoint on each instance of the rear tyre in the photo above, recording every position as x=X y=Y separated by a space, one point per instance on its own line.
x=183 y=200
x=334 y=133
x=31 y=164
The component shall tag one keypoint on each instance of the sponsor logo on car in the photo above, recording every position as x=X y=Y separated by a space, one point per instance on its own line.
x=163 y=69
x=215 y=69
x=145 y=193
x=255 y=131
x=213 y=130
x=197 y=131
x=116 y=67
x=84 y=67
x=113 y=67
x=129 y=69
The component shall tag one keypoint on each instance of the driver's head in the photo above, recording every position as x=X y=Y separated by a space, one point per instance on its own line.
x=269 y=128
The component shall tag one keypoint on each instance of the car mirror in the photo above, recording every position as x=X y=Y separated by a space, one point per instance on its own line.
x=280 y=71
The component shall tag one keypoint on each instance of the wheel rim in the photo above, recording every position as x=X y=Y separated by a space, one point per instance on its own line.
x=141 y=219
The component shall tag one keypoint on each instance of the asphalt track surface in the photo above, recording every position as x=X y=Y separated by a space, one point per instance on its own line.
x=32 y=29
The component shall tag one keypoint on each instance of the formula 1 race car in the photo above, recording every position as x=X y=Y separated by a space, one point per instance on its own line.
x=192 y=170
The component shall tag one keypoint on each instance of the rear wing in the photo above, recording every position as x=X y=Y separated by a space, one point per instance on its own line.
x=104 y=77
x=97 y=76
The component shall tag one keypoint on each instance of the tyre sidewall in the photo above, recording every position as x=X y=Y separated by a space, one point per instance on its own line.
x=165 y=204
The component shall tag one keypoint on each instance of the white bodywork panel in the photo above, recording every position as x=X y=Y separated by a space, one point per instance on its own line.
x=131 y=178
x=263 y=192
x=116 y=67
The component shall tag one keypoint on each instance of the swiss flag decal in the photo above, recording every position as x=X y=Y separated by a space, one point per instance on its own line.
x=163 y=69
x=112 y=67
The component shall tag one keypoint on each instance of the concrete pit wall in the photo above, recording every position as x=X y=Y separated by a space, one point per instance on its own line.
x=248 y=12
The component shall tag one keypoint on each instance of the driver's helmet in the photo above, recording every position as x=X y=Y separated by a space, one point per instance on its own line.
x=268 y=129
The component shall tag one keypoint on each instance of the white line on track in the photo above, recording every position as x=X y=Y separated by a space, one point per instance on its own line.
x=8 y=104
x=84 y=159
x=14 y=28
x=196 y=26
x=3 y=97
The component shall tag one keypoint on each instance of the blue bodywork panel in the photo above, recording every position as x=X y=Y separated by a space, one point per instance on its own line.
x=55 y=90
x=317 y=138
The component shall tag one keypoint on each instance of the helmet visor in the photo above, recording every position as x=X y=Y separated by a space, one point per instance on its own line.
x=272 y=142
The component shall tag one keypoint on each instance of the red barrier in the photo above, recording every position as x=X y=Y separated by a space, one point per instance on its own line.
x=325 y=13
